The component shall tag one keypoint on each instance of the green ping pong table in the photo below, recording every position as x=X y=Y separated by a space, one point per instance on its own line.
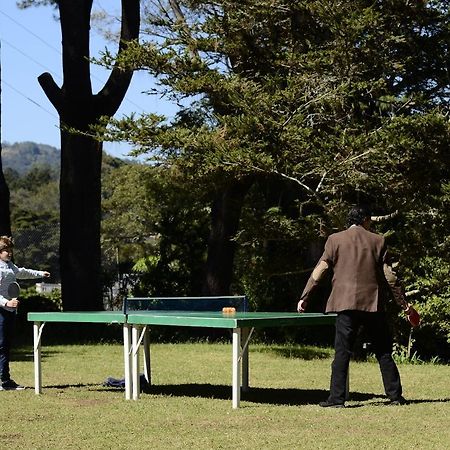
x=136 y=326
x=242 y=325
x=39 y=319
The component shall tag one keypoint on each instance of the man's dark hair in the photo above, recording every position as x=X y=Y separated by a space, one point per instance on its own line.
x=358 y=214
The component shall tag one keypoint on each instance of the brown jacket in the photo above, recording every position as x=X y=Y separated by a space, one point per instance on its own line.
x=362 y=276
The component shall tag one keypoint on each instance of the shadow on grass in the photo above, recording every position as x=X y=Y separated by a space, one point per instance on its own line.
x=409 y=402
x=428 y=400
x=270 y=396
x=306 y=353
x=27 y=354
x=273 y=396
x=68 y=386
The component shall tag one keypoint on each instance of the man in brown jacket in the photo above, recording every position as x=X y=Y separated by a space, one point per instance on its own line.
x=362 y=279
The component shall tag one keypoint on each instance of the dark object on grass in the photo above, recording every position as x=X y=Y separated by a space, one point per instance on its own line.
x=120 y=382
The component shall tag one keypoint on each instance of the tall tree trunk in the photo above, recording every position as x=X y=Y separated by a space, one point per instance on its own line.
x=225 y=216
x=5 y=217
x=80 y=193
x=81 y=155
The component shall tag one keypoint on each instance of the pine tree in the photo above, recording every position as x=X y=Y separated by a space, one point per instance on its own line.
x=315 y=93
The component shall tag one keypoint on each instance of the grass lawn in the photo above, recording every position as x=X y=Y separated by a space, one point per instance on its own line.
x=189 y=406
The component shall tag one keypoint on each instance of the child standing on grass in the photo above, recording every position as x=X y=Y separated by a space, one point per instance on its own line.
x=8 y=307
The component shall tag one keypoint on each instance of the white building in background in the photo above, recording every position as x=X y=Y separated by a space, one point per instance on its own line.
x=47 y=288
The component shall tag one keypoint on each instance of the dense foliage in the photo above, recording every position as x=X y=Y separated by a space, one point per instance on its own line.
x=298 y=109
x=317 y=105
x=153 y=232
x=32 y=173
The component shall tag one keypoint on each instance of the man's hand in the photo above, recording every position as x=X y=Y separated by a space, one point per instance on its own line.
x=301 y=307
x=313 y=281
x=413 y=316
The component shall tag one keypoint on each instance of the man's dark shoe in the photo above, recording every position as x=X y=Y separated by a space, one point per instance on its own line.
x=398 y=402
x=328 y=404
x=11 y=385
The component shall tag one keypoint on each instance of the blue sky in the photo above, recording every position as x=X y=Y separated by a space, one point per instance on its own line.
x=31 y=45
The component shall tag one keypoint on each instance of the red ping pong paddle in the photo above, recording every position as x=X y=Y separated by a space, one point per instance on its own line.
x=413 y=317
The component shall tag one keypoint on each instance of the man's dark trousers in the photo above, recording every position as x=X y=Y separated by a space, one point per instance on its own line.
x=347 y=325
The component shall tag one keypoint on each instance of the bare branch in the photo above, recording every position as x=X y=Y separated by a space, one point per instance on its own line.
x=283 y=175
x=119 y=80
x=285 y=274
x=182 y=20
x=383 y=218
x=177 y=11
x=413 y=292
x=52 y=91
x=345 y=161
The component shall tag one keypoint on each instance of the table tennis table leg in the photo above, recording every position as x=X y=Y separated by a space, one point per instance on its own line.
x=127 y=359
x=236 y=387
x=147 y=362
x=37 y=333
x=136 y=385
x=245 y=379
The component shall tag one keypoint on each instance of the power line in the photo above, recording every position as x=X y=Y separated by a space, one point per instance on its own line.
x=31 y=32
x=93 y=76
x=29 y=99
x=30 y=58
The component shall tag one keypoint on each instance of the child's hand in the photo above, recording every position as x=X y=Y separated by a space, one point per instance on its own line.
x=46 y=274
x=13 y=303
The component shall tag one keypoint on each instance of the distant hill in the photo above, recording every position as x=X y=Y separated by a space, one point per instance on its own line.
x=23 y=156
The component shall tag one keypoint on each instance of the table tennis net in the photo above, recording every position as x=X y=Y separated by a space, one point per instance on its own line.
x=216 y=303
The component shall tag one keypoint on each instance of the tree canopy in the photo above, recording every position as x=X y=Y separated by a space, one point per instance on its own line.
x=293 y=110
x=326 y=95
x=289 y=111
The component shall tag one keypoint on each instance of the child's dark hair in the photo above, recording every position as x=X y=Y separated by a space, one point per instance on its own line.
x=358 y=214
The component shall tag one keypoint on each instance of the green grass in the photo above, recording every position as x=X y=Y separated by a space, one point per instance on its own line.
x=189 y=406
